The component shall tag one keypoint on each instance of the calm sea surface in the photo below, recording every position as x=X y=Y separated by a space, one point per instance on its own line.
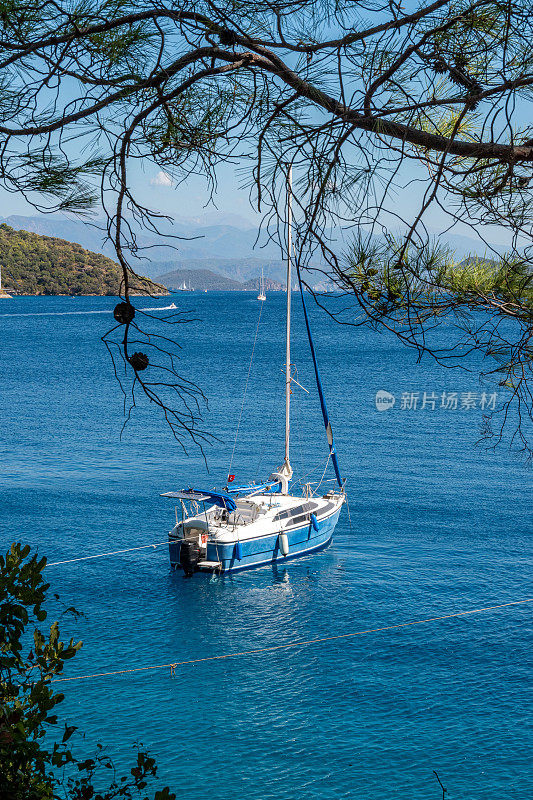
x=437 y=526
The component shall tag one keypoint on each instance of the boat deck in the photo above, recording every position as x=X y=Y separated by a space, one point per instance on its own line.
x=261 y=529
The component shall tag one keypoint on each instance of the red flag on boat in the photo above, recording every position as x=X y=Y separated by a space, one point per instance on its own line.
x=231 y=478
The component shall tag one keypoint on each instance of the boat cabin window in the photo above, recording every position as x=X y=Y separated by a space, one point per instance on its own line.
x=295 y=512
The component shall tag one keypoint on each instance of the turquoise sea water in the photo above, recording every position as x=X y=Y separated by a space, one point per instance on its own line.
x=437 y=526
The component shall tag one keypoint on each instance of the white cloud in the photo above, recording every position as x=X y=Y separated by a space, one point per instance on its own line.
x=161 y=179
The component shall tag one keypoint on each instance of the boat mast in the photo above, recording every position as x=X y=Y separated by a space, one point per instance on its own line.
x=288 y=338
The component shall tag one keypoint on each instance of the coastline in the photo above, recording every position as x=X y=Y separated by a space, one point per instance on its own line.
x=133 y=294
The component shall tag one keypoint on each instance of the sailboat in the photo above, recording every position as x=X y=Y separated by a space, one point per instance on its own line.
x=262 y=523
x=3 y=294
x=262 y=295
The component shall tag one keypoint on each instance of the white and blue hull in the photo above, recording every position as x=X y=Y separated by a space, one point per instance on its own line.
x=256 y=525
x=245 y=553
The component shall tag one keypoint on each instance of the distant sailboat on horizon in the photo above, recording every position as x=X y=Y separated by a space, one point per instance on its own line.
x=262 y=295
x=4 y=295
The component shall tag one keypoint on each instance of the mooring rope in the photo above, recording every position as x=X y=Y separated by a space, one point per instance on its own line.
x=102 y=555
x=173 y=665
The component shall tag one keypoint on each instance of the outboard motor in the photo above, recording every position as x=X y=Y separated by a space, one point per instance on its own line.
x=189 y=555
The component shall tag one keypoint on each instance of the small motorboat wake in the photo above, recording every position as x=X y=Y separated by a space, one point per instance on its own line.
x=171 y=307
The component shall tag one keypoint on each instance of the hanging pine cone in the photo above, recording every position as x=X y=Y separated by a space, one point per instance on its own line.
x=475 y=91
x=440 y=66
x=139 y=361
x=227 y=37
x=124 y=313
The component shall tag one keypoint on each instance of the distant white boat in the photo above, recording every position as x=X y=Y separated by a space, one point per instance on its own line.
x=185 y=288
x=3 y=295
x=262 y=295
x=171 y=307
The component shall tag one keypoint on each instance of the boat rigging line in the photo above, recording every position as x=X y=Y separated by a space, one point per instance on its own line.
x=245 y=390
x=173 y=665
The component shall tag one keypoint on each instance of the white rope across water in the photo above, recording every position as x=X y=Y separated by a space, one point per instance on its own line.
x=102 y=555
x=173 y=665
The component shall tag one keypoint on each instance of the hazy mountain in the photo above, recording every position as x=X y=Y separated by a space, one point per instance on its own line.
x=269 y=285
x=242 y=269
x=206 y=279
x=61 y=228
x=217 y=242
x=193 y=240
x=464 y=246
x=218 y=218
x=199 y=279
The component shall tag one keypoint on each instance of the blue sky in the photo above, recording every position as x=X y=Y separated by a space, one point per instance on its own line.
x=156 y=190
x=191 y=201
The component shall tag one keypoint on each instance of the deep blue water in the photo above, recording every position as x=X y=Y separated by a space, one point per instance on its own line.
x=437 y=526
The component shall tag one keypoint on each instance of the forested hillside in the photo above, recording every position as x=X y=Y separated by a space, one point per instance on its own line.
x=34 y=264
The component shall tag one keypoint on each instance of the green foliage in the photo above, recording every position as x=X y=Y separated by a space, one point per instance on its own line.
x=433 y=96
x=427 y=281
x=34 y=264
x=36 y=762
x=389 y=277
x=508 y=281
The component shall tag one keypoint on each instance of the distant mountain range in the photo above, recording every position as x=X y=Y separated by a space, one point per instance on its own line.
x=231 y=248
x=183 y=279
x=192 y=240
x=236 y=269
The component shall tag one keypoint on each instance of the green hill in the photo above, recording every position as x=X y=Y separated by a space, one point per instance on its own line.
x=35 y=264
x=207 y=279
x=199 y=279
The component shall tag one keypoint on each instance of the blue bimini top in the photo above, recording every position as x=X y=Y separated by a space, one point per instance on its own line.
x=221 y=499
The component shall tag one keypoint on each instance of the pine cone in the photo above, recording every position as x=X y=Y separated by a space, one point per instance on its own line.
x=124 y=313
x=139 y=361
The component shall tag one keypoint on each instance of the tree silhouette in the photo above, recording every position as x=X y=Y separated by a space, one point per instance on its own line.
x=366 y=100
